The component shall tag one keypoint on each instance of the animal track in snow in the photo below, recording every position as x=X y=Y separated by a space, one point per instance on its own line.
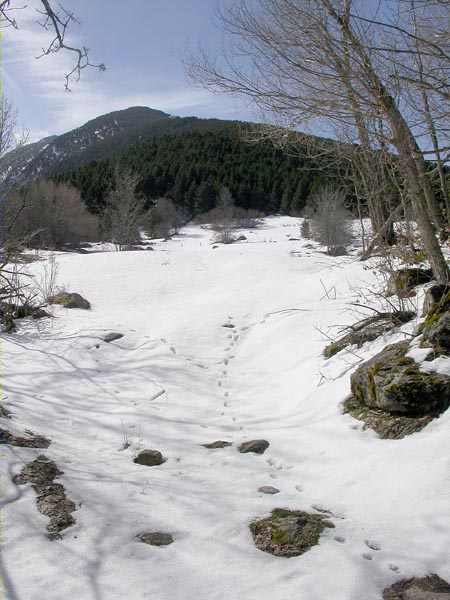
x=340 y=539
x=372 y=545
x=393 y=567
x=367 y=556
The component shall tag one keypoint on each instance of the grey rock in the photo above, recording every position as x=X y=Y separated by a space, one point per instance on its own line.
x=156 y=538
x=111 y=337
x=29 y=441
x=288 y=532
x=256 y=446
x=217 y=444
x=149 y=458
x=268 y=489
x=40 y=313
x=51 y=498
x=431 y=587
x=70 y=300
x=393 y=382
x=434 y=296
x=41 y=471
x=228 y=325
x=438 y=334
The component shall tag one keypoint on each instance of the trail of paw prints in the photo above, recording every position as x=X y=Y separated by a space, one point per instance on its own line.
x=232 y=337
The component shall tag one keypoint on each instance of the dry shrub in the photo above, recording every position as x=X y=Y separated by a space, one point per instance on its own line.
x=50 y=215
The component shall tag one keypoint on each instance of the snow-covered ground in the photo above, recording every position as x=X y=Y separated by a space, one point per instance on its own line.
x=266 y=378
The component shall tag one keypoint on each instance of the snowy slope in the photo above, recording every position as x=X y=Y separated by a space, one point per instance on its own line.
x=264 y=379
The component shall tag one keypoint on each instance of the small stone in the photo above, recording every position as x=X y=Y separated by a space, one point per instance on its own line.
x=156 y=538
x=256 y=446
x=111 y=337
x=217 y=444
x=40 y=313
x=149 y=458
x=228 y=325
x=268 y=489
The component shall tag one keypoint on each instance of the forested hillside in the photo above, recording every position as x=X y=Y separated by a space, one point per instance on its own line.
x=191 y=167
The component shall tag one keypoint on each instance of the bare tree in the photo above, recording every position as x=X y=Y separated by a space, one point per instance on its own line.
x=57 y=21
x=330 y=221
x=50 y=215
x=162 y=220
x=326 y=62
x=123 y=216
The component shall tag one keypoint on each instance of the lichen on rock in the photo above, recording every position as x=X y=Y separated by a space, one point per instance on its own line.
x=288 y=533
x=393 y=382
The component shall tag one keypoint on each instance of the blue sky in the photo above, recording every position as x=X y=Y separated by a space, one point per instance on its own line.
x=142 y=43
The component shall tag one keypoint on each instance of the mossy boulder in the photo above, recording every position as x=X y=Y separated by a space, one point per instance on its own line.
x=288 y=532
x=403 y=281
x=388 y=426
x=70 y=300
x=431 y=587
x=435 y=329
x=367 y=330
x=393 y=382
x=437 y=334
x=437 y=297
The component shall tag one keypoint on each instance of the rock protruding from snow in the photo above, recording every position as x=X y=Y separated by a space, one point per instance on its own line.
x=434 y=297
x=392 y=396
x=228 y=325
x=30 y=440
x=217 y=444
x=149 y=458
x=435 y=329
x=438 y=334
x=431 y=587
x=268 y=489
x=288 y=532
x=70 y=300
x=112 y=337
x=393 y=382
x=255 y=446
x=39 y=472
x=51 y=497
x=403 y=281
x=156 y=538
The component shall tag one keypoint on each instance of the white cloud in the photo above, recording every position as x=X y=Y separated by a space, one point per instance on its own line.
x=36 y=86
